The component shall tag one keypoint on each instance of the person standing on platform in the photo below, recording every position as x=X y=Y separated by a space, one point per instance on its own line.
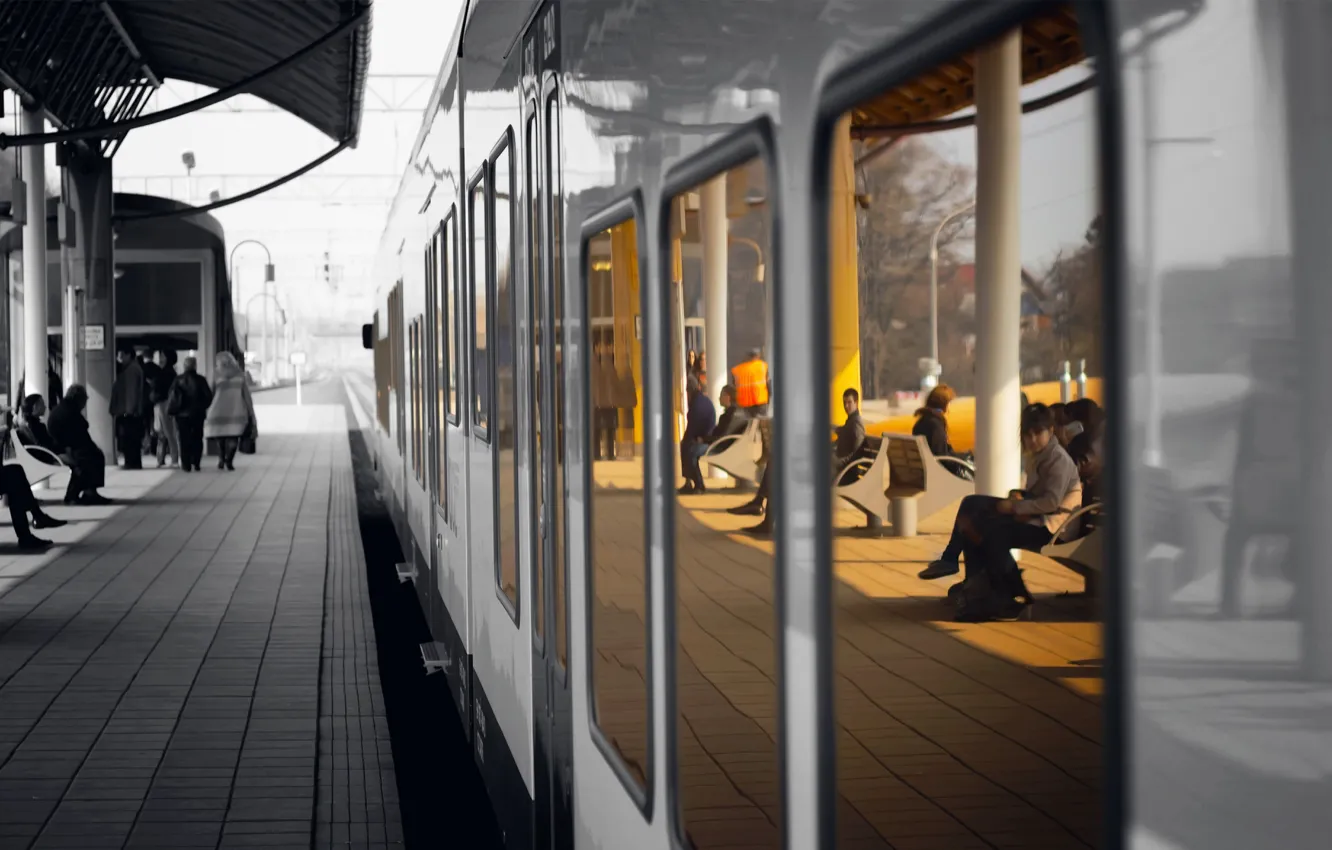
x=161 y=380
x=231 y=415
x=753 y=387
x=187 y=405
x=130 y=407
x=603 y=402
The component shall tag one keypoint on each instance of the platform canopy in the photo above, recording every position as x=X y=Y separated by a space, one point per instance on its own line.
x=85 y=62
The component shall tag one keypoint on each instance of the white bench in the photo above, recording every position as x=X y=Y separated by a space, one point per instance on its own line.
x=867 y=492
x=920 y=484
x=1082 y=555
x=738 y=454
x=37 y=463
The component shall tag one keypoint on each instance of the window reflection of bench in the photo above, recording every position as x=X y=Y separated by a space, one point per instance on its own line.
x=1081 y=554
x=738 y=454
x=866 y=493
x=919 y=483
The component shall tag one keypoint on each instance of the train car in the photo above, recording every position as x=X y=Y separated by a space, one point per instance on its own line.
x=582 y=161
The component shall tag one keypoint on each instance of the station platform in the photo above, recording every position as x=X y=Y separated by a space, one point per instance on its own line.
x=196 y=665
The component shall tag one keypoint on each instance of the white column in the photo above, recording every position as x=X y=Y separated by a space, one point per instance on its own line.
x=998 y=265
x=712 y=219
x=34 y=259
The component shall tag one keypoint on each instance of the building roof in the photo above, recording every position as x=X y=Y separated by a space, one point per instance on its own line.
x=87 y=63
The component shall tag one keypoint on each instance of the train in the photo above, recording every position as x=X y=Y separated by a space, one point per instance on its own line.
x=564 y=188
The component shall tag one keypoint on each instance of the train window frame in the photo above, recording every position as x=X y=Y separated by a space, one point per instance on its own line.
x=552 y=141
x=454 y=296
x=629 y=207
x=755 y=140
x=506 y=145
x=480 y=430
x=896 y=61
x=534 y=203
x=439 y=357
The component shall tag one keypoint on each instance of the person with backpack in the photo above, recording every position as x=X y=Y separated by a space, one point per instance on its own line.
x=187 y=404
x=988 y=528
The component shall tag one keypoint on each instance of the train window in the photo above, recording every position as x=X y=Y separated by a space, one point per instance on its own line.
x=383 y=377
x=725 y=569
x=958 y=269
x=477 y=265
x=414 y=380
x=536 y=312
x=439 y=282
x=618 y=533
x=451 y=317
x=559 y=488
x=504 y=354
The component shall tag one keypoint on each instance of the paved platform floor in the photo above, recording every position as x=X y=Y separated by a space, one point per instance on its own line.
x=197 y=666
x=950 y=736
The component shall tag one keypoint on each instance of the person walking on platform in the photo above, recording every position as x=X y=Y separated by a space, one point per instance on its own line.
x=69 y=430
x=130 y=407
x=231 y=415
x=187 y=405
x=164 y=425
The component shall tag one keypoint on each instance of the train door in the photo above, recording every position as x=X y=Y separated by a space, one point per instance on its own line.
x=551 y=703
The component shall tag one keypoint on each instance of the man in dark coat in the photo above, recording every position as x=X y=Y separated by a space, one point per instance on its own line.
x=69 y=430
x=130 y=407
x=188 y=402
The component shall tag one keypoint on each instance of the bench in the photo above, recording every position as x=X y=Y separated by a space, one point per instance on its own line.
x=919 y=483
x=37 y=463
x=737 y=454
x=1082 y=555
x=866 y=493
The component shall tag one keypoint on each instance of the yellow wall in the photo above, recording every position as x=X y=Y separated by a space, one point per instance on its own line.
x=624 y=281
x=844 y=270
x=962 y=414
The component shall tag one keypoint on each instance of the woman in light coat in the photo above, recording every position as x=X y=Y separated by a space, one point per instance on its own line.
x=231 y=415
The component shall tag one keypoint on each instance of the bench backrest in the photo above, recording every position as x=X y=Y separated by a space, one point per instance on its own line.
x=906 y=466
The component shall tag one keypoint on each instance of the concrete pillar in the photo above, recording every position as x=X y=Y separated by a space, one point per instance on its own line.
x=91 y=264
x=716 y=281
x=844 y=270
x=998 y=265
x=34 y=260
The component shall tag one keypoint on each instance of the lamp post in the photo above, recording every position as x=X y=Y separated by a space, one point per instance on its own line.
x=263 y=331
x=231 y=265
x=934 y=286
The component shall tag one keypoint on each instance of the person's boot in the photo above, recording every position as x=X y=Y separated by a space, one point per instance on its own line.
x=939 y=569
x=41 y=519
x=27 y=541
x=92 y=497
x=754 y=507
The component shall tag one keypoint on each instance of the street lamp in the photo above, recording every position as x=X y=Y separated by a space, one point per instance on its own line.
x=263 y=331
x=269 y=271
x=934 y=286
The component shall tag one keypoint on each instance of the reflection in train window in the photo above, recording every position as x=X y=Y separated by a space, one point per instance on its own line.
x=478 y=268
x=726 y=624
x=618 y=569
x=504 y=355
x=967 y=684
x=443 y=257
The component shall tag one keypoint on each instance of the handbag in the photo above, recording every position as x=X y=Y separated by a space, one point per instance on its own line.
x=247 y=440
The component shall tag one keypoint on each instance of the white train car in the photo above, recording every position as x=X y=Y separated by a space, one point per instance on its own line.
x=567 y=141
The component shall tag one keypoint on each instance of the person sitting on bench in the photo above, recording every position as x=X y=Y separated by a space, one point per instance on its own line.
x=700 y=422
x=1028 y=518
x=850 y=436
x=31 y=430
x=733 y=419
x=1089 y=470
x=17 y=490
x=69 y=429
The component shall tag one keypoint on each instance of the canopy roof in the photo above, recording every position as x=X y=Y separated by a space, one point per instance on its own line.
x=86 y=62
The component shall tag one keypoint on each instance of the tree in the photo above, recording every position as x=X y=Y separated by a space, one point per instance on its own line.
x=1069 y=294
x=908 y=190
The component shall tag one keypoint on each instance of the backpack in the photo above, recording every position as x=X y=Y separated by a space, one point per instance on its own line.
x=980 y=598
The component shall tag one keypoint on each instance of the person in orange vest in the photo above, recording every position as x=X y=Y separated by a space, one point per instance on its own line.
x=753 y=387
